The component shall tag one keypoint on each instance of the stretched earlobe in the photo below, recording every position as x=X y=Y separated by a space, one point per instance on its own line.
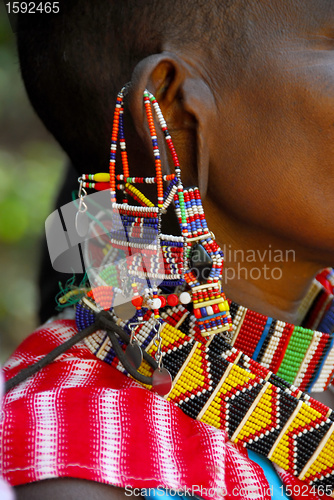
x=202 y=163
x=199 y=101
x=162 y=75
x=187 y=104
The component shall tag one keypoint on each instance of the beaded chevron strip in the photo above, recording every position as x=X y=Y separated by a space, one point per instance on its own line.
x=218 y=384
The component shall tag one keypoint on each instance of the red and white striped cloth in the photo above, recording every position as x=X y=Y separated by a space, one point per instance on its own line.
x=81 y=418
x=6 y=493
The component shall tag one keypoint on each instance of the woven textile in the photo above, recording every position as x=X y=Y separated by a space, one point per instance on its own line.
x=80 y=417
x=5 y=492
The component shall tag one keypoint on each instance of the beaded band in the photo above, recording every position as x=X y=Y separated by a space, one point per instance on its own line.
x=301 y=356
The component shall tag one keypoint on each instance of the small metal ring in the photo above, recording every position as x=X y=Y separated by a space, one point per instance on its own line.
x=82 y=204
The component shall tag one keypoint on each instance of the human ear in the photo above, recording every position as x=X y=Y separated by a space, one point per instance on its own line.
x=186 y=102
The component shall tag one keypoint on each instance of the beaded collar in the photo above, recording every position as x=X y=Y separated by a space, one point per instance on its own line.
x=301 y=356
x=222 y=386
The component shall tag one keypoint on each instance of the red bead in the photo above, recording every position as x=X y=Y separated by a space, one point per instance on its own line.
x=162 y=300
x=172 y=300
x=137 y=301
x=197 y=313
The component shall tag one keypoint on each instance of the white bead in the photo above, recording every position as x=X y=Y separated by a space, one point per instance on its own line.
x=185 y=298
x=156 y=304
x=209 y=311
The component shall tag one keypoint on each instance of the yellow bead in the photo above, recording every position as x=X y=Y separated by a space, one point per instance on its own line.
x=102 y=177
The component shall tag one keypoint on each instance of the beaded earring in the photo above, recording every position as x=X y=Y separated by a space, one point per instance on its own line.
x=180 y=269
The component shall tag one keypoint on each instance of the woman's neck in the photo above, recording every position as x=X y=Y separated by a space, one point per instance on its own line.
x=261 y=272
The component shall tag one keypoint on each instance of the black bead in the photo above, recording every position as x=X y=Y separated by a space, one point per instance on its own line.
x=200 y=262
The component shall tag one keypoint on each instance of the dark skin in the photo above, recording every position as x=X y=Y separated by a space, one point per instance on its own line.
x=262 y=145
x=69 y=489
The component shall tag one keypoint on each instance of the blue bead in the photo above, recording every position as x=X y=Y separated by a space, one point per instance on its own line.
x=203 y=311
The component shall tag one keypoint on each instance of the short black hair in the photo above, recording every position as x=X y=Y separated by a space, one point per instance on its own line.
x=73 y=63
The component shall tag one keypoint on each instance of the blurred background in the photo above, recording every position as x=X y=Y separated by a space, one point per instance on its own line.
x=31 y=170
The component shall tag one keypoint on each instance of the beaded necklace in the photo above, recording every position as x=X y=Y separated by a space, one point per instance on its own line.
x=302 y=356
x=220 y=385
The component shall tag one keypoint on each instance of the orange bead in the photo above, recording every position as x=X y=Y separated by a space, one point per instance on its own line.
x=137 y=301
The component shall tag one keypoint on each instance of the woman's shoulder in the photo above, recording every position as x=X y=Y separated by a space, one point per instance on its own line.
x=43 y=340
x=69 y=488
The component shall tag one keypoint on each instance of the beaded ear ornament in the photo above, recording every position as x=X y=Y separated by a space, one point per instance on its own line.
x=175 y=342
x=161 y=270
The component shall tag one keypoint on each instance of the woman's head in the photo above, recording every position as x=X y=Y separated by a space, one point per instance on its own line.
x=246 y=87
x=74 y=63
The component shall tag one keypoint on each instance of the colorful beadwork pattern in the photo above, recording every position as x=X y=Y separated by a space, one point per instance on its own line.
x=230 y=367
x=218 y=384
x=301 y=356
x=154 y=259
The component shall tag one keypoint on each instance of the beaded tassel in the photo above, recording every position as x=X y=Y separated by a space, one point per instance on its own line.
x=113 y=146
x=210 y=306
x=156 y=151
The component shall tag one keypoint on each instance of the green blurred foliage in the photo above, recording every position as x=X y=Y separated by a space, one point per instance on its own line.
x=31 y=167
